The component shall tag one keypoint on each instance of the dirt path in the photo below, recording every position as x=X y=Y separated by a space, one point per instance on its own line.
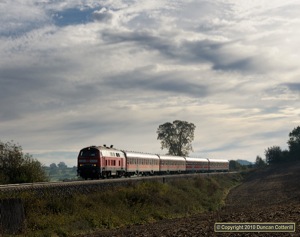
x=268 y=195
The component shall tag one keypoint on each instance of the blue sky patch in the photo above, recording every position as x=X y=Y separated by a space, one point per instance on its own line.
x=73 y=16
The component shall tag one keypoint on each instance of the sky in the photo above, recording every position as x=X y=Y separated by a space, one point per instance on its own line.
x=75 y=73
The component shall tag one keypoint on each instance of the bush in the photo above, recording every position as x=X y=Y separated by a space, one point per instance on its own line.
x=16 y=167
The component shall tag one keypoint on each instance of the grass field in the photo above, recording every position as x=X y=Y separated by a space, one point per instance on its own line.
x=53 y=215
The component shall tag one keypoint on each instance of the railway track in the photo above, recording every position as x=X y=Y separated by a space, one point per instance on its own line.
x=69 y=186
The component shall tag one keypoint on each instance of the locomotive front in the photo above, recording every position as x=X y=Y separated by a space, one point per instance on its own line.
x=89 y=163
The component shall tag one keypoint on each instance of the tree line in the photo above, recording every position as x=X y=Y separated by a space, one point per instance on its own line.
x=275 y=155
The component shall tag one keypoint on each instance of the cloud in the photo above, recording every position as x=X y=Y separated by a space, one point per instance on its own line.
x=21 y=18
x=103 y=15
x=147 y=81
x=293 y=86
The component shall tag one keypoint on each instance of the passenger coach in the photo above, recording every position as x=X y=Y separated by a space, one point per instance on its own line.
x=216 y=165
x=171 y=164
x=141 y=163
x=195 y=165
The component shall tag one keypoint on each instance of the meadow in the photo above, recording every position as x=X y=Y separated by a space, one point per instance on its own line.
x=77 y=213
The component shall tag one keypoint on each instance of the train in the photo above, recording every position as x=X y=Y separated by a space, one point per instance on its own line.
x=95 y=162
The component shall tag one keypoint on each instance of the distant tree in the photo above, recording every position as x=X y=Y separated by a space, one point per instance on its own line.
x=176 y=137
x=16 y=167
x=53 y=166
x=259 y=162
x=235 y=166
x=294 y=144
x=274 y=155
x=62 y=165
x=53 y=169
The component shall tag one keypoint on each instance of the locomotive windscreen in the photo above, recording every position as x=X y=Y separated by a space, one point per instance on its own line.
x=89 y=152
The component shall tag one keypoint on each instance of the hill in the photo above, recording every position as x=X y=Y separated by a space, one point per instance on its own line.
x=271 y=194
x=244 y=162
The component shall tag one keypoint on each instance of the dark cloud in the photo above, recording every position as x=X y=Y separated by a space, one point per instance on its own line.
x=222 y=55
x=293 y=86
x=103 y=15
x=26 y=90
x=138 y=81
x=144 y=39
x=187 y=52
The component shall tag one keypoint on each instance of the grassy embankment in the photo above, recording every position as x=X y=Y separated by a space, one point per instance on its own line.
x=51 y=215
